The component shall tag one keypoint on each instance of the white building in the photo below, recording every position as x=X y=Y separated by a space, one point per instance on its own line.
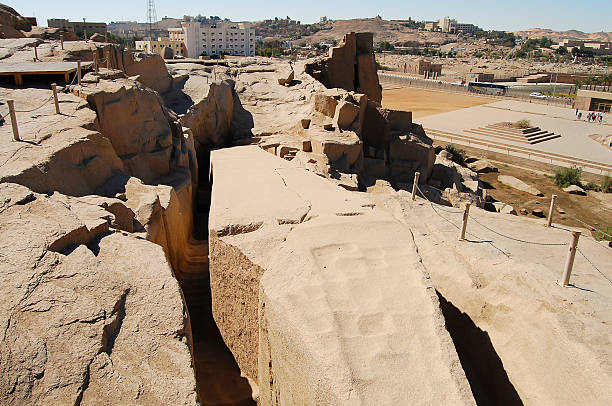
x=222 y=37
x=447 y=24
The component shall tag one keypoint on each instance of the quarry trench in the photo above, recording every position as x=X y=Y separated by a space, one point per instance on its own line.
x=217 y=374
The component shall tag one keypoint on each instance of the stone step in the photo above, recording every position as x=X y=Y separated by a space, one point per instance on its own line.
x=546 y=139
x=546 y=134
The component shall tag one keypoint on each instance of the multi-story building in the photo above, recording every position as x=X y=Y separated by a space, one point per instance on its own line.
x=159 y=46
x=447 y=24
x=219 y=38
x=77 y=26
x=467 y=28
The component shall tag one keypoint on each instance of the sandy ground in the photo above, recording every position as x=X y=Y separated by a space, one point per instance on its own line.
x=427 y=102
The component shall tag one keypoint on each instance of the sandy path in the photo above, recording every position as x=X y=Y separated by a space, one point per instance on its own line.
x=427 y=102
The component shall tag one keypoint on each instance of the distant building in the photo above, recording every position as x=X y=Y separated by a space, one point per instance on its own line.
x=467 y=28
x=159 y=46
x=421 y=67
x=77 y=26
x=447 y=25
x=222 y=37
x=431 y=25
x=591 y=100
x=598 y=47
x=323 y=19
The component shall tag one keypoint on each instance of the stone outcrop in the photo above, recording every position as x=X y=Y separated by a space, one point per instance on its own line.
x=460 y=184
x=350 y=66
x=87 y=312
x=11 y=18
x=210 y=120
x=338 y=314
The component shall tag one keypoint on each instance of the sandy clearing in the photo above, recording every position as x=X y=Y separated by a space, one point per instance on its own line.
x=427 y=102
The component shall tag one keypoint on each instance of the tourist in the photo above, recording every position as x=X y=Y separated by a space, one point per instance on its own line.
x=576 y=112
x=580 y=115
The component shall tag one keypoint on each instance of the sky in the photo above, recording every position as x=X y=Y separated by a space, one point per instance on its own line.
x=509 y=15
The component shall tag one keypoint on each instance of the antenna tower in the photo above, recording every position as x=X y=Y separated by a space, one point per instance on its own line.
x=151 y=17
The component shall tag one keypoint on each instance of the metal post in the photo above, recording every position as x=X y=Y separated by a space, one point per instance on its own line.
x=415 y=184
x=569 y=263
x=54 y=88
x=79 y=72
x=11 y=105
x=35 y=53
x=551 y=210
x=466 y=213
x=62 y=40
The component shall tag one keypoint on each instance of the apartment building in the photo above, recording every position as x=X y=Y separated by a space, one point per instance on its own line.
x=218 y=38
x=77 y=26
x=177 y=46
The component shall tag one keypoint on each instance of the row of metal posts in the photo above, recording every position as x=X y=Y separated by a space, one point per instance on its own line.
x=571 y=255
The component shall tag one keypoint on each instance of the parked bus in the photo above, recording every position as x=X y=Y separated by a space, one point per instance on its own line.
x=487 y=88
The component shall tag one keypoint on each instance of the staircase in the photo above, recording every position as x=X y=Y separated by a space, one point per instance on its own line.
x=504 y=131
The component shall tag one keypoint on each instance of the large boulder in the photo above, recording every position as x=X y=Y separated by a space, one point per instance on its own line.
x=518 y=185
x=575 y=190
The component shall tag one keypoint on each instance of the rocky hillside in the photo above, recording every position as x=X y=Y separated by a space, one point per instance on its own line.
x=561 y=35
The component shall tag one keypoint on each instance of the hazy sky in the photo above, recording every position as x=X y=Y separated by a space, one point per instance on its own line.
x=492 y=14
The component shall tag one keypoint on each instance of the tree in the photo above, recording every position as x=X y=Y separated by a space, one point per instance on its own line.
x=562 y=51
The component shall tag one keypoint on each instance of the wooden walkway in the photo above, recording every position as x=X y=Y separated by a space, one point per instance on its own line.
x=19 y=69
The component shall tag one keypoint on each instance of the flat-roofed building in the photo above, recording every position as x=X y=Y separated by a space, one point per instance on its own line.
x=593 y=100
x=421 y=67
x=220 y=38
x=77 y=26
x=159 y=46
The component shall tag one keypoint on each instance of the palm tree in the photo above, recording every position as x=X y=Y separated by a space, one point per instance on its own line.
x=607 y=79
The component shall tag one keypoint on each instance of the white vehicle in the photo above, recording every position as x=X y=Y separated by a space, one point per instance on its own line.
x=537 y=95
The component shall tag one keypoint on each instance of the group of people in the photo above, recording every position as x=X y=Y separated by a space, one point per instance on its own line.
x=592 y=116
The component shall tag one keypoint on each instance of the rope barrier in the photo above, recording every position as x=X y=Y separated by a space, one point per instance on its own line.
x=36 y=108
x=518 y=239
x=513 y=238
x=592 y=228
x=593 y=265
x=456 y=226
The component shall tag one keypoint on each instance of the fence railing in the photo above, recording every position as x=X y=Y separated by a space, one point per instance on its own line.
x=432 y=84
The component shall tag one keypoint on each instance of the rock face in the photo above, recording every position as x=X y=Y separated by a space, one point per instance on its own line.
x=210 y=120
x=519 y=185
x=335 y=308
x=11 y=18
x=82 y=307
x=460 y=184
x=350 y=66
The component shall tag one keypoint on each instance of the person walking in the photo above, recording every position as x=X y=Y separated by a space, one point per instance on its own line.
x=580 y=115
x=576 y=112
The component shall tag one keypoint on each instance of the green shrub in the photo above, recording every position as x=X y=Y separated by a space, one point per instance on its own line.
x=606 y=185
x=591 y=186
x=523 y=124
x=568 y=176
x=458 y=154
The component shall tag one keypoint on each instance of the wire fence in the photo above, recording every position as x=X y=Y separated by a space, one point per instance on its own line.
x=520 y=240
